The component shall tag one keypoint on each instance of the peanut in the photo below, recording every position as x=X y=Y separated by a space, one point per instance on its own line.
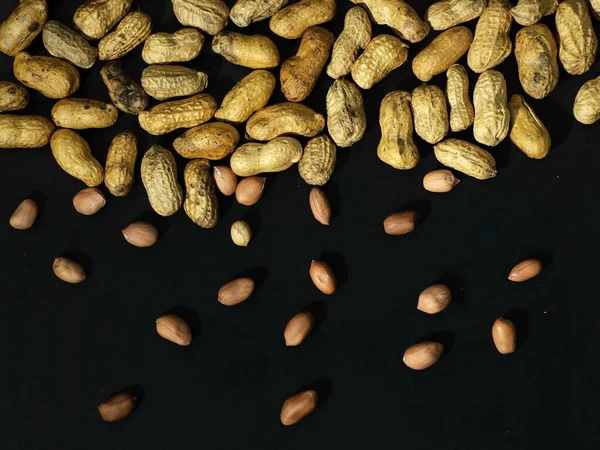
x=284 y=118
x=504 y=334
x=434 y=299
x=525 y=270
x=346 y=118
x=440 y=181
x=159 y=176
x=236 y=291
x=213 y=141
x=586 y=108
x=462 y=112
x=62 y=42
x=466 y=158
x=445 y=14
x=595 y=6
x=292 y=21
x=200 y=203
x=225 y=180
x=83 y=113
x=529 y=12
x=319 y=205
x=578 y=43
x=89 y=201
x=274 y=156
x=24 y=131
x=140 y=234
x=527 y=131
x=298 y=328
x=124 y=92
x=323 y=277
x=318 y=161
x=249 y=95
x=68 y=271
x=250 y=190
x=208 y=15
x=181 y=46
x=354 y=37
x=430 y=113
x=22 y=26
x=73 y=155
x=400 y=223
x=298 y=406
x=173 y=328
x=24 y=216
x=254 y=51
x=117 y=407
x=120 y=164
x=53 y=77
x=245 y=12
x=131 y=32
x=423 y=355
x=163 y=82
x=492 y=117
x=383 y=54
x=95 y=18
x=241 y=233
x=13 y=96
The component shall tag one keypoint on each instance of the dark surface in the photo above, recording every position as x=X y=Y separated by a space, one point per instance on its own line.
x=65 y=348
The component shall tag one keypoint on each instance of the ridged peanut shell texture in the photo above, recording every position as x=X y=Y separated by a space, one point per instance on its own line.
x=355 y=37
x=595 y=7
x=586 y=108
x=462 y=112
x=430 y=113
x=163 y=82
x=254 y=51
x=131 y=32
x=529 y=12
x=95 y=18
x=200 y=203
x=120 y=164
x=298 y=406
x=466 y=158
x=63 y=42
x=397 y=147
x=51 y=76
x=83 y=113
x=284 y=118
x=537 y=59
x=249 y=95
x=346 y=118
x=124 y=92
x=186 y=113
x=383 y=54
x=300 y=73
x=245 y=12
x=13 y=96
x=577 y=40
x=527 y=131
x=213 y=141
x=442 y=52
x=180 y=46
x=292 y=21
x=73 y=155
x=491 y=44
x=274 y=156
x=208 y=15
x=22 y=26
x=492 y=117
x=318 y=161
x=24 y=131
x=159 y=176
x=445 y=14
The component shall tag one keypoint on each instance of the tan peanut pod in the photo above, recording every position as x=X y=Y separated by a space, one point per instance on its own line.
x=254 y=51
x=63 y=42
x=24 y=131
x=466 y=158
x=284 y=118
x=318 y=161
x=96 y=18
x=430 y=113
x=529 y=12
x=13 y=96
x=73 y=155
x=355 y=37
x=300 y=73
x=245 y=12
x=442 y=52
x=249 y=95
x=53 y=77
x=83 y=113
x=159 y=176
x=491 y=44
x=201 y=204
x=595 y=6
x=274 y=156
x=120 y=164
x=446 y=14
x=527 y=131
x=462 y=112
x=577 y=40
x=187 y=113
x=383 y=54
x=22 y=26
x=131 y=32
x=587 y=102
x=163 y=81
x=346 y=118
x=124 y=92
x=492 y=117
x=213 y=141
x=181 y=46
x=292 y=21
x=397 y=147
x=209 y=15
x=537 y=59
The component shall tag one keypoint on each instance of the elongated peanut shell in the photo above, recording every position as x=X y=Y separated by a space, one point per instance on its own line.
x=200 y=203
x=292 y=21
x=577 y=40
x=125 y=93
x=249 y=95
x=181 y=46
x=245 y=12
x=22 y=26
x=529 y=12
x=355 y=37
x=73 y=155
x=595 y=7
x=120 y=164
x=131 y=32
x=492 y=117
x=187 y=113
x=318 y=161
x=83 y=113
x=159 y=176
x=24 y=131
x=298 y=406
x=284 y=118
x=13 y=96
x=383 y=54
x=208 y=15
x=95 y=18
x=430 y=113
x=397 y=147
x=254 y=51
x=586 y=108
x=445 y=14
x=346 y=118
x=51 y=76
x=213 y=141
x=527 y=131
x=274 y=156
x=466 y=158
x=462 y=111
x=163 y=82
x=63 y=42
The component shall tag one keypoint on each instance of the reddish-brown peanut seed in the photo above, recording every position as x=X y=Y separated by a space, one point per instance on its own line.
x=140 y=234
x=225 y=180
x=117 y=407
x=400 y=223
x=319 y=205
x=173 y=328
x=323 y=277
x=423 y=355
x=434 y=299
x=525 y=270
x=298 y=328
x=298 y=406
x=89 y=201
x=440 y=181
x=25 y=215
x=250 y=190
x=236 y=291
x=68 y=271
x=504 y=335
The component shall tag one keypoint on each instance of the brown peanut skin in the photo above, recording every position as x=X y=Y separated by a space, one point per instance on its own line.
x=300 y=73
x=13 y=96
x=400 y=223
x=140 y=234
x=125 y=93
x=254 y=51
x=201 y=204
x=525 y=270
x=249 y=95
x=323 y=277
x=292 y=21
x=159 y=176
x=89 y=201
x=504 y=334
x=226 y=180
x=298 y=328
x=423 y=355
x=208 y=15
x=346 y=117
x=180 y=46
x=73 y=155
x=173 y=328
x=445 y=14
x=24 y=216
x=383 y=54
x=22 y=26
x=24 y=131
x=434 y=299
x=236 y=291
x=527 y=131
x=83 y=114
x=298 y=406
x=68 y=271
x=212 y=141
x=96 y=18
x=250 y=190
x=63 y=42
x=51 y=76
x=120 y=164
x=577 y=39
x=319 y=205
x=117 y=407
x=284 y=118
x=245 y=12
x=355 y=37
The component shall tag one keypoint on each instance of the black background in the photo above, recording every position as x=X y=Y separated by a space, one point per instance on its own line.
x=66 y=348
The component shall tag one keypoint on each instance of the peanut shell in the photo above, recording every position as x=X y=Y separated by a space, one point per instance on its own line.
x=51 y=76
x=22 y=26
x=13 y=96
x=200 y=203
x=159 y=176
x=125 y=93
x=73 y=155
x=466 y=158
x=254 y=51
x=346 y=117
x=586 y=108
x=529 y=12
x=492 y=117
x=163 y=82
x=445 y=14
x=83 y=113
x=213 y=141
x=120 y=164
x=131 y=32
x=274 y=156
x=318 y=161
x=180 y=46
x=383 y=54
x=577 y=39
x=462 y=112
x=298 y=406
x=527 y=131
x=24 y=131
x=63 y=42
x=355 y=37
x=249 y=95
x=96 y=18
x=245 y=12
x=284 y=118
x=209 y=15
x=430 y=113
x=292 y=21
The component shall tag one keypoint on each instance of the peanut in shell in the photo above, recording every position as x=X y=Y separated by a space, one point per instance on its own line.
x=120 y=164
x=586 y=108
x=201 y=204
x=83 y=114
x=245 y=12
x=492 y=117
x=63 y=42
x=209 y=16
x=249 y=95
x=462 y=112
x=124 y=92
x=445 y=14
x=255 y=51
x=577 y=39
x=430 y=113
x=527 y=131
x=355 y=37
x=96 y=18
x=73 y=155
x=383 y=54
x=181 y=46
x=318 y=161
x=346 y=117
x=159 y=176
x=22 y=26
x=24 y=131
x=163 y=82
x=467 y=158
x=13 y=96
x=292 y=21
x=214 y=141
x=284 y=118
x=51 y=76
x=277 y=155
x=131 y=32
x=529 y=12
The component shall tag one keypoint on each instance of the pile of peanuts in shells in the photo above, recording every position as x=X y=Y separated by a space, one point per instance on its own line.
x=109 y=29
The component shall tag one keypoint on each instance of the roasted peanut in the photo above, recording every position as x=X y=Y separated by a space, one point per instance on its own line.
x=95 y=18
x=383 y=54
x=173 y=328
x=445 y=14
x=62 y=42
x=83 y=113
x=440 y=181
x=300 y=73
x=244 y=12
x=319 y=205
x=578 y=43
x=159 y=176
x=423 y=355
x=434 y=299
x=13 y=96
x=89 y=201
x=492 y=117
x=292 y=21
x=442 y=52
x=249 y=95
x=236 y=291
x=399 y=16
x=187 y=113
x=241 y=233
x=124 y=92
x=354 y=37
x=298 y=406
x=225 y=180
x=250 y=190
x=163 y=82
x=181 y=46
x=131 y=32
x=24 y=216
x=22 y=26
x=466 y=158
x=284 y=118
x=213 y=140
x=318 y=161
x=504 y=334
x=430 y=113
x=462 y=112
x=274 y=156
x=200 y=203
x=120 y=164
x=586 y=108
x=24 y=131
x=491 y=44
x=118 y=406
x=254 y=51
x=323 y=277
x=140 y=234
x=68 y=271
x=73 y=155
x=527 y=131
x=298 y=328
x=595 y=6
x=209 y=15
x=400 y=223
x=346 y=118
x=53 y=77
x=529 y=12
x=525 y=270
x=396 y=146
